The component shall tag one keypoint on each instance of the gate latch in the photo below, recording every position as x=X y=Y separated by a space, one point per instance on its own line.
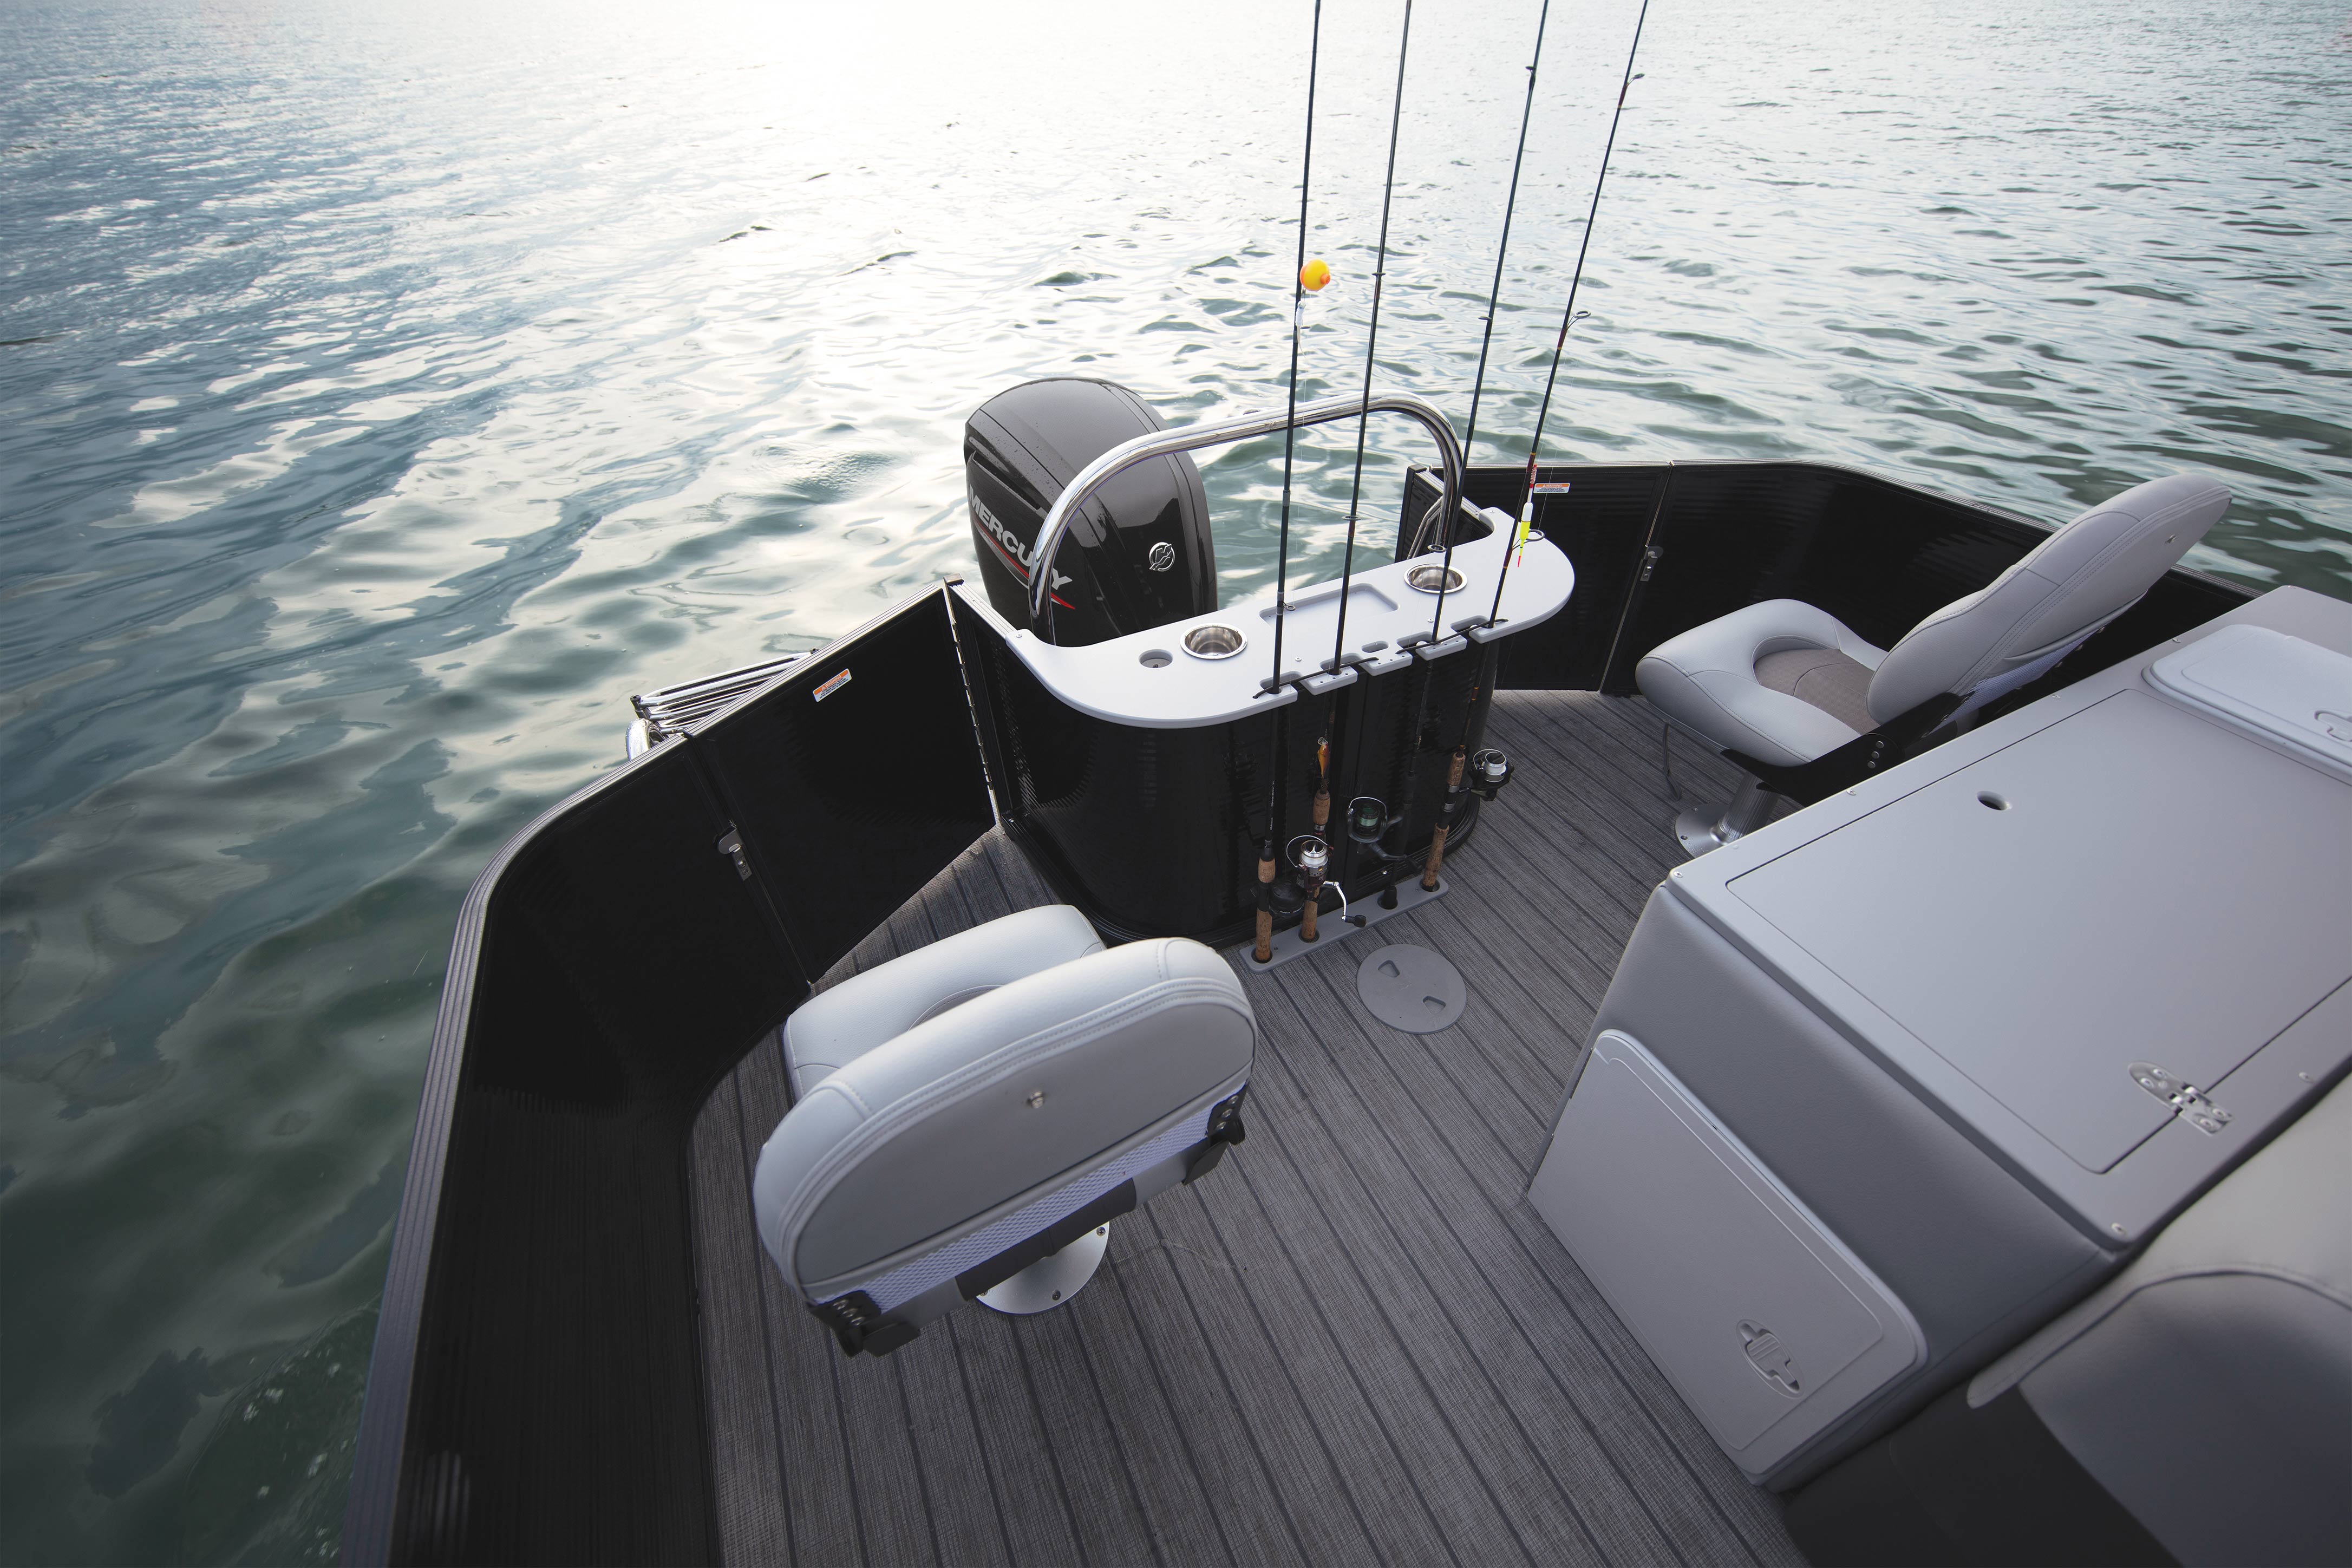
x=730 y=844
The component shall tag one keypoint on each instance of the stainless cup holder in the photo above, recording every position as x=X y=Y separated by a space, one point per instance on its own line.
x=1432 y=579
x=1215 y=642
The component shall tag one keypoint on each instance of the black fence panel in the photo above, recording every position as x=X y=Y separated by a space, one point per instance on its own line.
x=609 y=966
x=853 y=773
x=536 y=1393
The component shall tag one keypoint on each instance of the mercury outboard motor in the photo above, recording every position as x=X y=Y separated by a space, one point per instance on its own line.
x=1137 y=555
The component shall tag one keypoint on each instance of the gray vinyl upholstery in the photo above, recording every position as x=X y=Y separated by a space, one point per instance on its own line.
x=1777 y=680
x=2209 y=1385
x=1706 y=680
x=984 y=1119
x=836 y=1027
x=1837 y=685
x=2073 y=582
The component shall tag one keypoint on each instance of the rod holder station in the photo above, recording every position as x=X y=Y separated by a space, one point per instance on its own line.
x=1490 y=769
x=1368 y=822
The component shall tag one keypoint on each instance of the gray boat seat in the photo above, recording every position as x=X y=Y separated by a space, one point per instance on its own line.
x=2209 y=1385
x=1785 y=683
x=970 y=1111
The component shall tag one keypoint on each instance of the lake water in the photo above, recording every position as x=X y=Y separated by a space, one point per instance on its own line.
x=387 y=392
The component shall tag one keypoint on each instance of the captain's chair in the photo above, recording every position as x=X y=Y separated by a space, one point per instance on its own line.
x=970 y=1117
x=1782 y=684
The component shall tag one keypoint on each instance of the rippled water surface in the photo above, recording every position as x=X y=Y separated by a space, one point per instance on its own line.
x=389 y=391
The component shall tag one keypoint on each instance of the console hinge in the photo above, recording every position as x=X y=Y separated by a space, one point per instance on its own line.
x=2188 y=1102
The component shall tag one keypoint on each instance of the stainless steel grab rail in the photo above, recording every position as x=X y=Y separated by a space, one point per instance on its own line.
x=1241 y=427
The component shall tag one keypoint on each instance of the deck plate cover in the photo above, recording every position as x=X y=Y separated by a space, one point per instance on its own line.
x=1411 y=988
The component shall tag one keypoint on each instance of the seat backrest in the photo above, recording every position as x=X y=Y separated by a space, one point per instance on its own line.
x=987 y=1107
x=2073 y=582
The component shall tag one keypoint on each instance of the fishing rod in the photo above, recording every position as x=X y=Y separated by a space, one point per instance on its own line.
x=1510 y=206
x=1493 y=769
x=1301 y=285
x=1568 y=318
x=1312 y=851
x=1494 y=302
x=1371 y=344
x=1299 y=292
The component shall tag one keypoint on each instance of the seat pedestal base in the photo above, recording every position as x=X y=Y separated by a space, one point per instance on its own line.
x=1052 y=1279
x=1749 y=808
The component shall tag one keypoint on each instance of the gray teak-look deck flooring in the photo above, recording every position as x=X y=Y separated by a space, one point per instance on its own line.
x=1355 y=1342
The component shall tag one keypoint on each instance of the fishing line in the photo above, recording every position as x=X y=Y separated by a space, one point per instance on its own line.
x=1297 y=326
x=1568 y=316
x=1510 y=204
x=1265 y=948
x=1372 y=343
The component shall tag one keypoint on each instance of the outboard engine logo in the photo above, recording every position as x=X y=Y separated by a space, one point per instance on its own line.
x=1025 y=446
x=1010 y=544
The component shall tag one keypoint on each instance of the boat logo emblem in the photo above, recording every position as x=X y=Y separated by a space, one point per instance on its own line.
x=832 y=686
x=1162 y=556
x=1008 y=544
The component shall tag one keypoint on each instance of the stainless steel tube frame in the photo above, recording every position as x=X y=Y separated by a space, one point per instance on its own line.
x=1241 y=427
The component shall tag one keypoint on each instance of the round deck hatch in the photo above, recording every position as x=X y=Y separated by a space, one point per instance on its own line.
x=1411 y=988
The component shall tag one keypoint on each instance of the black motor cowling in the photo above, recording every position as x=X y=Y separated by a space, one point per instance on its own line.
x=1137 y=555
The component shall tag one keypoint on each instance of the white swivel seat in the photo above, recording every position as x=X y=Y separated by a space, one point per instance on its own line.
x=1783 y=683
x=970 y=1117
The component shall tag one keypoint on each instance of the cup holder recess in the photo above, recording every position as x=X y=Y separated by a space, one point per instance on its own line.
x=1429 y=579
x=1155 y=659
x=1214 y=642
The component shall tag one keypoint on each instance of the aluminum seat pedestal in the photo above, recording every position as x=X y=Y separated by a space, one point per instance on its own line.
x=1052 y=1280
x=1749 y=808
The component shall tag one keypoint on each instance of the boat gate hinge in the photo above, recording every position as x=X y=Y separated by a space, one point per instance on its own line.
x=2187 y=1101
x=1650 y=560
x=730 y=844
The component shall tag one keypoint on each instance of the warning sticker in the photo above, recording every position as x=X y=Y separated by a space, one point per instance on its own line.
x=832 y=686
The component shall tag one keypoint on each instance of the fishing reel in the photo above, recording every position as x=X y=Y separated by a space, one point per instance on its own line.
x=1370 y=822
x=1310 y=859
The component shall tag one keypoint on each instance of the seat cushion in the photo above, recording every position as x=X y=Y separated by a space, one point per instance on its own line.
x=995 y=1102
x=836 y=1027
x=1837 y=686
x=1706 y=680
